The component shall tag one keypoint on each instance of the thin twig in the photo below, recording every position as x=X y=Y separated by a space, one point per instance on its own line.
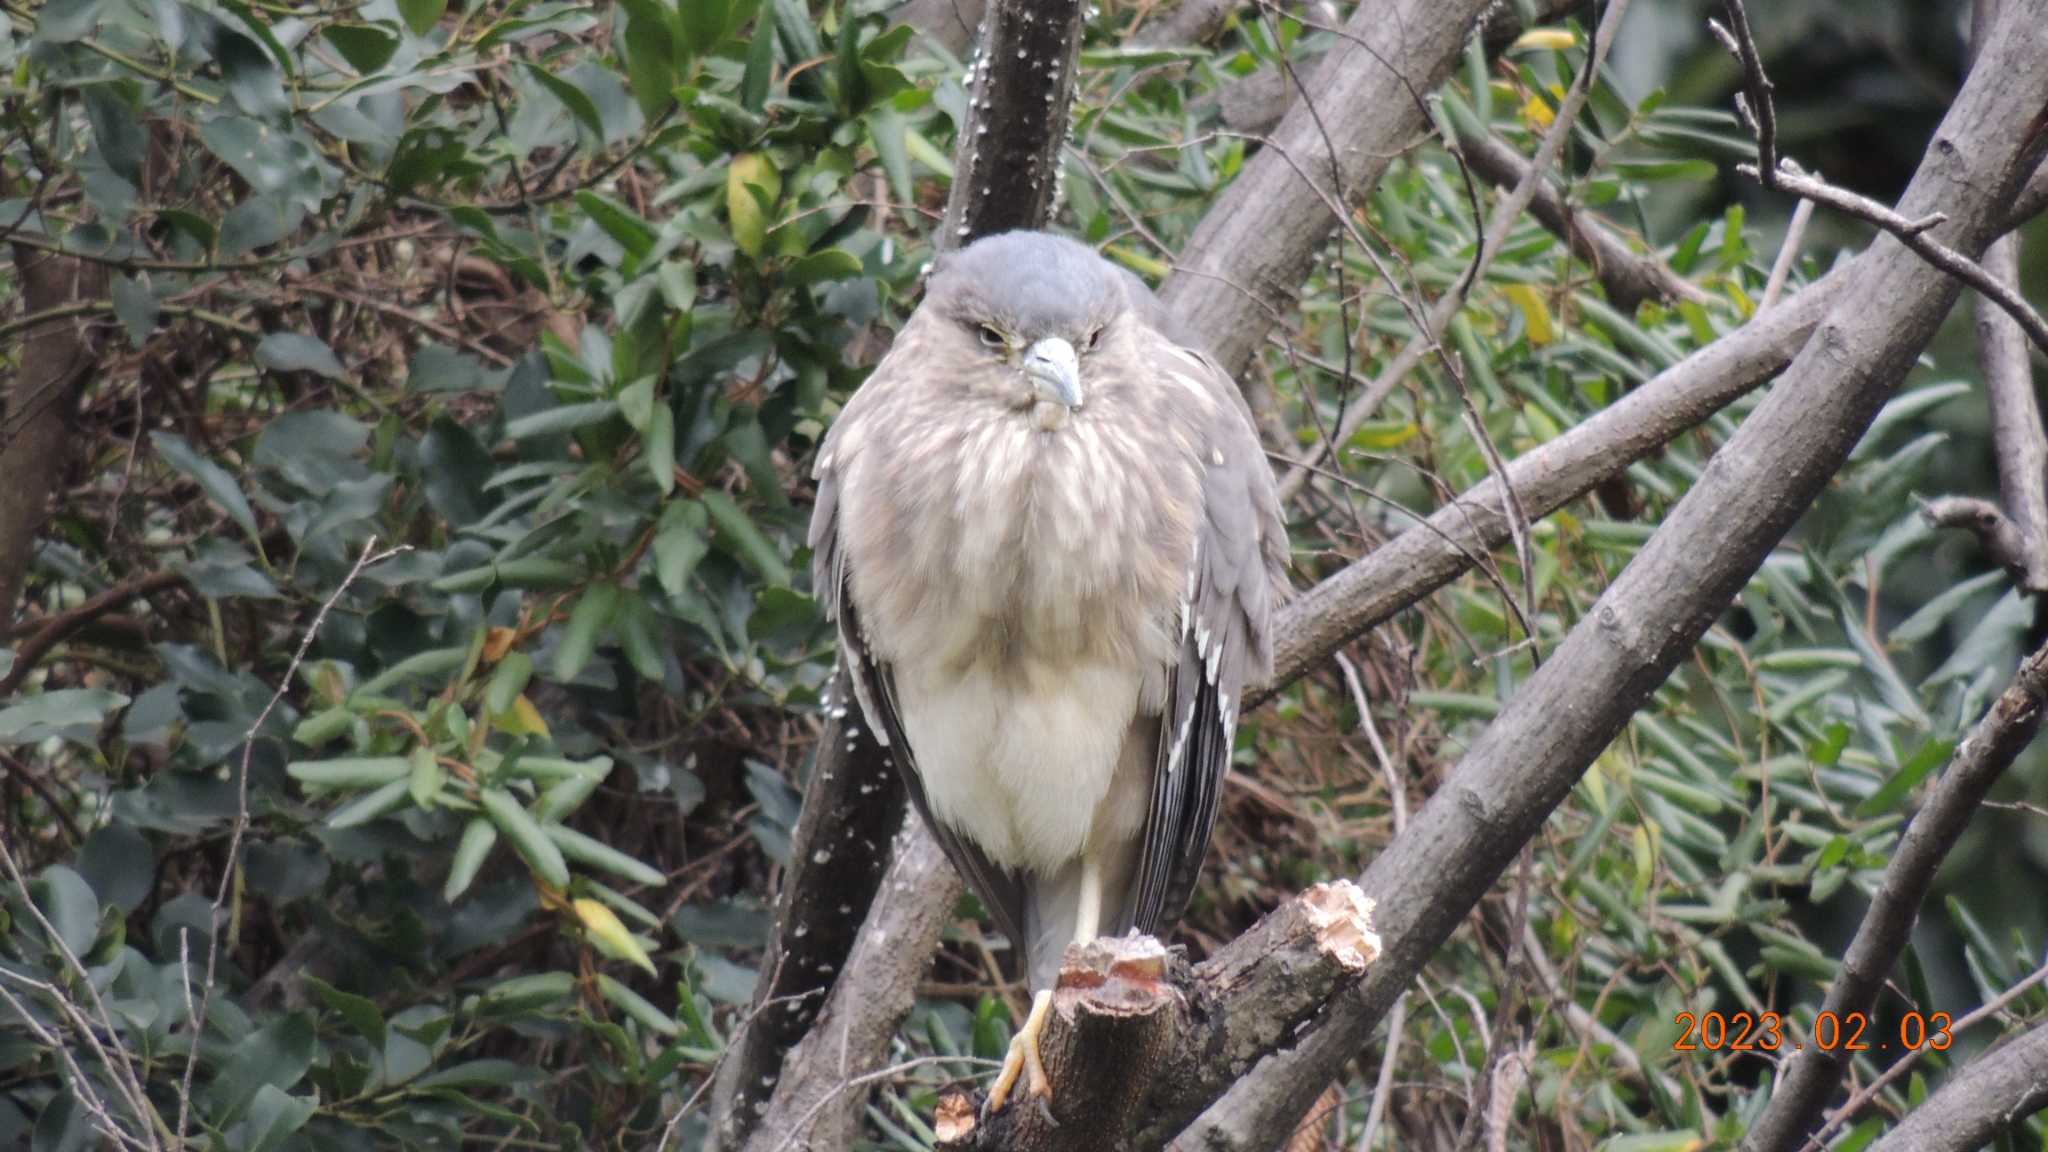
x=240 y=826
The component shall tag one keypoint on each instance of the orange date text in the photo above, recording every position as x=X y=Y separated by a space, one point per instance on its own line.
x=1831 y=1032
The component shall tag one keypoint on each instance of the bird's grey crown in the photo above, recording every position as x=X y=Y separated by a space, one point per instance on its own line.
x=1031 y=284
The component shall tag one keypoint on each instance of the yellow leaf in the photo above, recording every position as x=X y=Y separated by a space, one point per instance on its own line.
x=521 y=719
x=609 y=934
x=1554 y=39
x=1537 y=113
x=1379 y=435
x=747 y=212
x=1535 y=311
x=497 y=642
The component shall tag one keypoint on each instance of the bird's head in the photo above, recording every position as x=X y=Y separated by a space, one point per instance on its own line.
x=1023 y=317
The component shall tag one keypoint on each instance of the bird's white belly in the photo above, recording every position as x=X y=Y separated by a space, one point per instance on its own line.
x=1017 y=758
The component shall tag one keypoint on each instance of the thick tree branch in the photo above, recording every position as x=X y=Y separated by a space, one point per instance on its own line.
x=2017 y=435
x=1980 y=1100
x=1006 y=167
x=814 y=1102
x=1811 y=1075
x=1750 y=494
x=39 y=406
x=853 y=805
x=1125 y=1012
x=1254 y=247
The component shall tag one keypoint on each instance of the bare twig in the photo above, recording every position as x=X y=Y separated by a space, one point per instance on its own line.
x=231 y=865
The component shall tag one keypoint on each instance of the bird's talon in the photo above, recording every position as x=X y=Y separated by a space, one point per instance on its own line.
x=1023 y=1060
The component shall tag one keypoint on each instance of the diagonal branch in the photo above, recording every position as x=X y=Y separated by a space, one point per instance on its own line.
x=1982 y=1099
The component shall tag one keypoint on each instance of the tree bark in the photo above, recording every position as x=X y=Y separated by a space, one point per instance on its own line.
x=853 y=805
x=1980 y=1100
x=38 y=409
x=1127 y=1010
x=1750 y=494
x=1253 y=249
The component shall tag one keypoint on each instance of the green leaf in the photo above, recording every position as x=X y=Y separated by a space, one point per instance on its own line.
x=72 y=909
x=276 y=1057
x=525 y=993
x=743 y=539
x=479 y=836
x=650 y=52
x=366 y=47
x=274 y=1115
x=705 y=23
x=526 y=836
x=621 y=223
x=633 y=1004
x=641 y=636
x=426 y=777
x=349 y=771
x=559 y=419
x=1931 y=755
x=66 y=710
x=597 y=854
x=587 y=624
x=636 y=403
x=508 y=680
x=454 y=469
x=680 y=542
x=580 y=105
x=827 y=264
x=371 y=805
x=360 y=1011
x=421 y=15
x=658 y=448
x=212 y=479
x=760 y=70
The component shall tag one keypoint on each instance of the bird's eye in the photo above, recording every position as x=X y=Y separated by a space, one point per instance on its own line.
x=993 y=338
x=1093 y=338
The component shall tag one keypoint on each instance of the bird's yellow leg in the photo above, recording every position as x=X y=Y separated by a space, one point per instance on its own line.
x=1023 y=1058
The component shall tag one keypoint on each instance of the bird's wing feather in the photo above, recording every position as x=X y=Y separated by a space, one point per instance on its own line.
x=1000 y=890
x=1237 y=576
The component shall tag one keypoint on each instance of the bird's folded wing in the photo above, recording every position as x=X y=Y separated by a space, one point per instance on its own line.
x=1237 y=576
x=1000 y=890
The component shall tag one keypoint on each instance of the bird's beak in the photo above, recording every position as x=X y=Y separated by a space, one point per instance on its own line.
x=1055 y=371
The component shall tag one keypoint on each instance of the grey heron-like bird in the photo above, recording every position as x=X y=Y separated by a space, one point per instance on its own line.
x=1050 y=540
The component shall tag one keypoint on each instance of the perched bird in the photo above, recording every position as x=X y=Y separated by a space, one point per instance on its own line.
x=1049 y=537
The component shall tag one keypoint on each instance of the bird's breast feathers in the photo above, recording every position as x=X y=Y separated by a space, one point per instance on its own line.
x=1026 y=589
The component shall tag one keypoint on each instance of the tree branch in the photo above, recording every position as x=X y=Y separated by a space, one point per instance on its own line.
x=53 y=632
x=1750 y=494
x=39 y=408
x=1125 y=1011
x=1980 y=1100
x=1810 y=1076
x=1254 y=247
x=2017 y=434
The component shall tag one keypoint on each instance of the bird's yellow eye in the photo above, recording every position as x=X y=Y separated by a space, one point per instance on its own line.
x=993 y=338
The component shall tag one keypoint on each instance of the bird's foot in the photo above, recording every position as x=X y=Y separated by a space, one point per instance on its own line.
x=1023 y=1059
